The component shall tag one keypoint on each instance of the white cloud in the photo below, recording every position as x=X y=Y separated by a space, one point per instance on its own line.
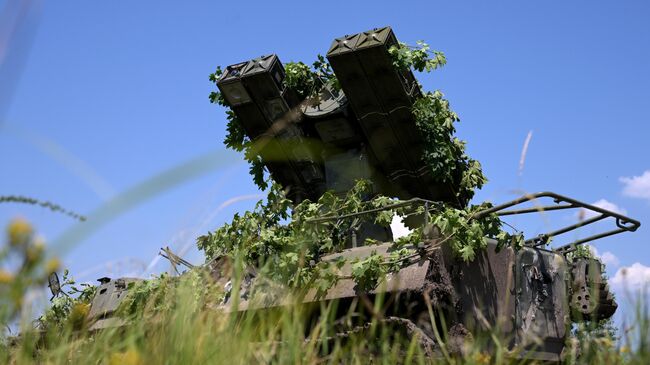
x=633 y=277
x=604 y=204
x=398 y=228
x=637 y=186
x=609 y=259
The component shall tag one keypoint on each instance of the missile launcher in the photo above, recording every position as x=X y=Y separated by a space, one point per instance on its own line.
x=366 y=130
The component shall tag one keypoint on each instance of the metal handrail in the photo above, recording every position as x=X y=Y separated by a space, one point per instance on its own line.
x=623 y=223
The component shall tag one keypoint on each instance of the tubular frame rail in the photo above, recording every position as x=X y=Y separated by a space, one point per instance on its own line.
x=623 y=223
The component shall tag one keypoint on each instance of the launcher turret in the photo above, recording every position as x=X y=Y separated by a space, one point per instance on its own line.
x=327 y=141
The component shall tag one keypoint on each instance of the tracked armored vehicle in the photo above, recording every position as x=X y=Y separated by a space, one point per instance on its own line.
x=365 y=130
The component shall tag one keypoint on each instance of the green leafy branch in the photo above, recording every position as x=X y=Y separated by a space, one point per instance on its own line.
x=290 y=253
x=470 y=233
x=419 y=57
x=308 y=81
x=367 y=272
x=149 y=296
x=443 y=153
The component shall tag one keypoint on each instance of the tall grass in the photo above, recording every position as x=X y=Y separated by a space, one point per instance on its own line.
x=177 y=324
x=178 y=328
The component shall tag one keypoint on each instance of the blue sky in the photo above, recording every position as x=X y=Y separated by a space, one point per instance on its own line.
x=106 y=95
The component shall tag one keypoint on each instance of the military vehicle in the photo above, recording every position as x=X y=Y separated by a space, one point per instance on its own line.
x=365 y=130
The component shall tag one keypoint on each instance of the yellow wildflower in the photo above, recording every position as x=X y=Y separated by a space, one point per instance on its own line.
x=52 y=265
x=605 y=342
x=482 y=358
x=6 y=277
x=78 y=315
x=19 y=232
x=35 y=252
x=625 y=349
x=129 y=357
